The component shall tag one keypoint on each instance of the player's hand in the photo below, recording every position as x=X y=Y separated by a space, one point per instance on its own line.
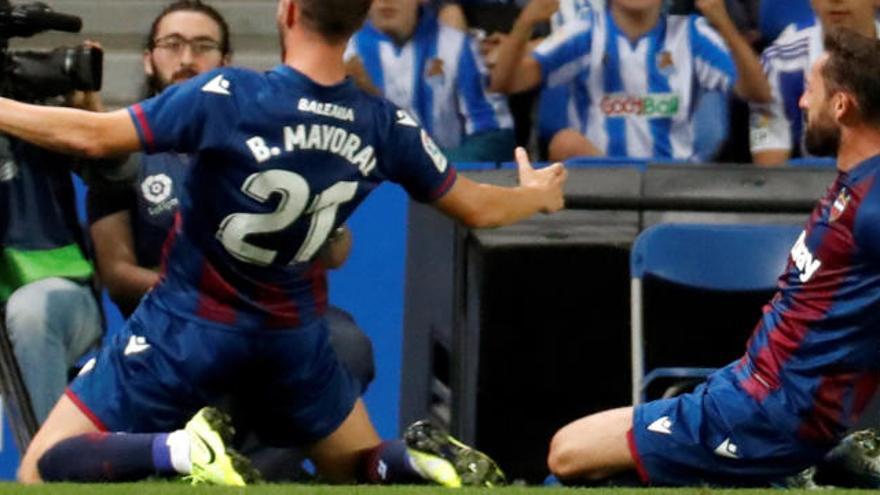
x=715 y=12
x=538 y=11
x=549 y=181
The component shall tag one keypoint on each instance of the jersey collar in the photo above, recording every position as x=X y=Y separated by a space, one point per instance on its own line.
x=297 y=78
x=863 y=169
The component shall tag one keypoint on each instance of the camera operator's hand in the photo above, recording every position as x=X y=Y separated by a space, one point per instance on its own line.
x=86 y=100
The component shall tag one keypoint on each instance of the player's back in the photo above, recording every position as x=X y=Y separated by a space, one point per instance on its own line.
x=280 y=162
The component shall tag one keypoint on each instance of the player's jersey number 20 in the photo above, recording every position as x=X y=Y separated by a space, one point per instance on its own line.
x=237 y=227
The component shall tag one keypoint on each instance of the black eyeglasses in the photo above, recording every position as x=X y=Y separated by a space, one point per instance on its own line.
x=175 y=45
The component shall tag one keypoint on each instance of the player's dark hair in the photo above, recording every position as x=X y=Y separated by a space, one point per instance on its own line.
x=854 y=67
x=192 y=6
x=335 y=20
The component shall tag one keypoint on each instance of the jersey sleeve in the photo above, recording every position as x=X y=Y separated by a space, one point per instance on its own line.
x=713 y=64
x=415 y=162
x=483 y=110
x=565 y=53
x=189 y=116
x=770 y=124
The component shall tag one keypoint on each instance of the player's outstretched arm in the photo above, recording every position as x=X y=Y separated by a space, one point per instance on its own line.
x=483 y=205
x=70 y=131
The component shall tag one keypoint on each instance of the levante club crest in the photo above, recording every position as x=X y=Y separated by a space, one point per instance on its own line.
x=839 y=205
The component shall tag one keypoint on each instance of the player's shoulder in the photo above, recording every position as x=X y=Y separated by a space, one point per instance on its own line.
x=229 y=81
x=866 y=187
x=793 y=43
x=382 y=111
x=387 y=119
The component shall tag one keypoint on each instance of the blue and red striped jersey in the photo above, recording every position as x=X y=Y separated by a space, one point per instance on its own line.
x=814 y=357
x=279 y=162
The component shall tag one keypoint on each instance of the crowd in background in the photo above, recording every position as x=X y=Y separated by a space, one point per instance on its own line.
x=711 y=81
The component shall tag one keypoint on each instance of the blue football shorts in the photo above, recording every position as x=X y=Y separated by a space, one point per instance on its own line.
x=161 y=368
x=717 y=435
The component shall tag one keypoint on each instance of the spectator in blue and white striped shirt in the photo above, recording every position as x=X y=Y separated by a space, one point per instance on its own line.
x=636 y=71
x=436 y=73
x=776 y=128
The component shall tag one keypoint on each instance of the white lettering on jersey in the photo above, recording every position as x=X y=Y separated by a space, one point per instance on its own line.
x=326 y=109
x=336 y=140
x=727 y=449
x=803 y=259
x=219 y=85
x=652 y=106
x=136 y=345
x=662 y=425
x=259 y=148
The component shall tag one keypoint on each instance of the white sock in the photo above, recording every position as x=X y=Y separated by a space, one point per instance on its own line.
x=178 y=446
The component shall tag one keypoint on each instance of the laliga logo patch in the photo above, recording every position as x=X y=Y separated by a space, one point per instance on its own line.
x=156 y=188
x=434 y=152
x=8 y=171
x=839 y=206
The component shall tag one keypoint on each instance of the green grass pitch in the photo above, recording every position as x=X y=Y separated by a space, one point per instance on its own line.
x=178 y=488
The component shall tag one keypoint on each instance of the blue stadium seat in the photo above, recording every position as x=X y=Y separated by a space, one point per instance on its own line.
x=703 y=257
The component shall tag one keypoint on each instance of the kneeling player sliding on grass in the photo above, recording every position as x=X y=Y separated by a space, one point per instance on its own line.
x=811 y=364
x=282 y=158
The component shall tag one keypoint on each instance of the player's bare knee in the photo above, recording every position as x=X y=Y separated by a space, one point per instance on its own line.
x=28 y=473
x=562 y=460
